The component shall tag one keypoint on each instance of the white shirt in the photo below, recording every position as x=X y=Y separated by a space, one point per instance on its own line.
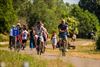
x=39 y=31
x=24 y=35
x=11 y=32
x=54 y=37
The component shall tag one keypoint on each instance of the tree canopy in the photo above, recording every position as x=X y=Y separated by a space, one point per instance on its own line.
x=7 y=15
x=88 y=21
x=50 y=12
x=91 y=5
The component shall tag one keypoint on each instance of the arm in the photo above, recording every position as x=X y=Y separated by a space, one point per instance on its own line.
x=45 y=31
x=35 y=39
x=60 y=28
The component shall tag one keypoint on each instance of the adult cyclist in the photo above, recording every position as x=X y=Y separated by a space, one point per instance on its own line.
x=39 y=31
x=63 y=32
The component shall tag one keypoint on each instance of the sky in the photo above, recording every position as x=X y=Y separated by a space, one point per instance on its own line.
x=72 y=1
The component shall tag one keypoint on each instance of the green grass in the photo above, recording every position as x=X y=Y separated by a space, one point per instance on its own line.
x=87 y=49
x=59 y=63
x=4 y=45
x=14 y=59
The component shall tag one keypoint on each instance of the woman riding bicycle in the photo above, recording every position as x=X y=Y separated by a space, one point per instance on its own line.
x=39 y=31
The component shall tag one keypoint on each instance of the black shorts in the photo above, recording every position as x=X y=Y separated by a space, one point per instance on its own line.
x=24 y=41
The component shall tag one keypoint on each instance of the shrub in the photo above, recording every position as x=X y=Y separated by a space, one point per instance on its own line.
x=98 y=43
x=3 y=37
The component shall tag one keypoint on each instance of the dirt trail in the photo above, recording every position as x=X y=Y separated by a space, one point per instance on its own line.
x=77 y=42
x=76 y=61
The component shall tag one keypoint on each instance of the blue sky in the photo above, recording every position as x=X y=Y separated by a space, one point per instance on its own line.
x=72 y=1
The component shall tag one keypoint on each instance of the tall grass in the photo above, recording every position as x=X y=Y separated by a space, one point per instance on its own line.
x=14 y=59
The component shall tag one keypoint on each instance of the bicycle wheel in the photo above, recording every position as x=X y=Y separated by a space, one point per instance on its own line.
x=63 y=48
x=43 y=48
x=39 y=50
x=63 y=52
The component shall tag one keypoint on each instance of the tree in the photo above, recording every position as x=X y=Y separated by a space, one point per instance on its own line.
x=88 y=21
x=98 y=43
x=7 y=15
x=73 y=25
x=49 y=11
x=91 y=5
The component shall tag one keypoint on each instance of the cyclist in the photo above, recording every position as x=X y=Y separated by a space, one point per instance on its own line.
x=24 y=37
x=45 y=35
x=54 y=40
x=19 y=36
x=39 y=31
x=63 y=31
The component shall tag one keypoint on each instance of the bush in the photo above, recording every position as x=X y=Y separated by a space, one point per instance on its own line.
x=3 y=37
x=98 y=43
x=87 y=21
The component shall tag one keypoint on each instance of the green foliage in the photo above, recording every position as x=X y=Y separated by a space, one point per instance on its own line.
x=13 y=59
x=87 y=21
x=7 y=15
x=3 y=38
x=22 y=7
x=91 y=5
x=98 y=42
x=49 y=12
x=73 y=25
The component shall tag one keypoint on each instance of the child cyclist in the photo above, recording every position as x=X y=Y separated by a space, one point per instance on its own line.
x=54 y=39
x=24 y=37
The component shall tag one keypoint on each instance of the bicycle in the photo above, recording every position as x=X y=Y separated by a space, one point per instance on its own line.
x=62 y=47
x=18 y=44
x=41 y=47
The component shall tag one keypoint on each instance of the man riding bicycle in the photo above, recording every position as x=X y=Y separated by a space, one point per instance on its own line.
x=63 y=32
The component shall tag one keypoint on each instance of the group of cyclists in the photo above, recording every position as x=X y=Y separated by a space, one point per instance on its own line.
x=38 y=36
x=18 y=36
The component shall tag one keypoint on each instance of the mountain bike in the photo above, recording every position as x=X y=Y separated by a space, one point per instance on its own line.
x=41 y=47
x=18 y=44
x=62 y=47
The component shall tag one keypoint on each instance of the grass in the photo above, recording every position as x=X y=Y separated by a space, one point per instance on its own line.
x=4 y=45
x=88 y=51
x=4 y=38
x=14 y=59
x=58 y=63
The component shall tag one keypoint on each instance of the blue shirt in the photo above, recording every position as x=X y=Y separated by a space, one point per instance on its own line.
x=63 y=26
x=15 y=31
